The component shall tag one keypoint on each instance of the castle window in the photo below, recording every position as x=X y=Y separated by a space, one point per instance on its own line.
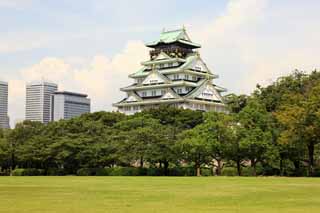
x=144 y=94
x=153 y=92
x=179 y=90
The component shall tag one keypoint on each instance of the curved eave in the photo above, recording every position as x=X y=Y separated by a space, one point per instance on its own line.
x=195 y=45
x=176 y=70
x=163 y=61
x=188 y=43
x=171 y=84
x=220 y=89
x=147 y=102
x=203 y=101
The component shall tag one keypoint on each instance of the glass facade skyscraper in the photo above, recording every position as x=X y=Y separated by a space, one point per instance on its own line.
x=4 y=119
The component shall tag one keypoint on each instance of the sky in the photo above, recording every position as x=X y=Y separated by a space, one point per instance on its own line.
x=92 y=46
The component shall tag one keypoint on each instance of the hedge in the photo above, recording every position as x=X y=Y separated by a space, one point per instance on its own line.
x=28 y=172
x=133 y=171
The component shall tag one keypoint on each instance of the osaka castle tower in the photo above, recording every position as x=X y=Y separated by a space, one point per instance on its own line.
x=175 y=75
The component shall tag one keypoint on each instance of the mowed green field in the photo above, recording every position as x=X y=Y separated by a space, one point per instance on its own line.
x=159 y=194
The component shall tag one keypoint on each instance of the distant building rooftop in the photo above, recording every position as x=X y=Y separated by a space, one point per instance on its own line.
x=48 y=83
x=70 y=93
x=3 y=83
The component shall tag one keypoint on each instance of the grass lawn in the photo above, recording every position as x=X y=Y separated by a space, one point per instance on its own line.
x=159 y=194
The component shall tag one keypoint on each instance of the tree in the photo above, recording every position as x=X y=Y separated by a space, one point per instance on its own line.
x=137 y=138
x=4 y=149
x=19 y=136
x=193 y=147
x=254 y=132
x=300 y=119
x=236 y=102
x=218 y=133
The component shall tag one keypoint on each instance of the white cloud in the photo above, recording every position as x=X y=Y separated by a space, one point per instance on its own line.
x=101 y=79
x=254 y=42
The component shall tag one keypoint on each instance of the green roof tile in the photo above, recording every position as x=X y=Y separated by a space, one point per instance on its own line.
x=172 y=36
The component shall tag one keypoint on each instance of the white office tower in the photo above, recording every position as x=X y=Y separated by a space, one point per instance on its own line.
x=66 y=105
x=38 y=99
x=4 y=119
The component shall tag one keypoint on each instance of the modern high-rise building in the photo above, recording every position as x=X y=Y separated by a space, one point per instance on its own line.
x=4 y=119
x=66 y=105
x=174 y=75
x=38 y=100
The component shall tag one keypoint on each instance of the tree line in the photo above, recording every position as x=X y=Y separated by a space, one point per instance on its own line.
x=273 y=131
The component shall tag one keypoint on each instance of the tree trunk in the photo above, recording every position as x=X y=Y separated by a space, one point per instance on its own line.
x=197 y=165
x=253 y=165
x=141 y=162
x=311 y=159
x=296 y=164
x=198 y=171
x=12 y=163
x=166 y=166
x=281 y=166
x=219 y=166
x=239 y=167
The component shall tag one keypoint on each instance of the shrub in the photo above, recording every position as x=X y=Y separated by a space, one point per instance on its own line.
x=181 y=171
x=247 y=171
x=155 y=172
x=115 y=171
x=316 y=172
x=103 y=171
x=206 y=172
x=28 y=172
x=229 y=171
x=85 y=172
x=127 y=171
x=268 y=171
x=4 y=173
x=134 y=171
x=17 y=172
x=56 y=172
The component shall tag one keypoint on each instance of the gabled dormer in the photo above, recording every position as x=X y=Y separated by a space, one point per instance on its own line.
x=195 y=63
x=132 y=97
x=206 y=91
x=155 y=77
x=170 y=94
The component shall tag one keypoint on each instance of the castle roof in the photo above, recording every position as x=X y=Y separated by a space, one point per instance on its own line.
x=173 y=36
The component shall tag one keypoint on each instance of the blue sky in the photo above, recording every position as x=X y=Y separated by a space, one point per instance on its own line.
x=91 y=46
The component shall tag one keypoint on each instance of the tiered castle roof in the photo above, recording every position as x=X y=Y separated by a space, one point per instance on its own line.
x=175 y=73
